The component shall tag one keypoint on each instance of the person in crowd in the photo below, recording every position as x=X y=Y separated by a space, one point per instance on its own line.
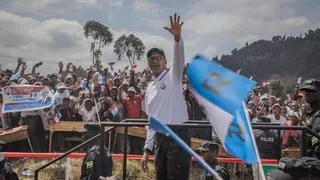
x=164 y=101
x=88 y=111
x=132 y=105
x=124 y=89
x=53 y=81
x=35 y=130
x=61 y=93
x=68 y=112
x=276 y=116
x=290 y=137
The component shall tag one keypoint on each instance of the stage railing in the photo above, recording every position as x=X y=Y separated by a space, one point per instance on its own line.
x=189 y=124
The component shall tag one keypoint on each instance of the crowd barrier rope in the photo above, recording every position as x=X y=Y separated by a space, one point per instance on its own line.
x=114 y=156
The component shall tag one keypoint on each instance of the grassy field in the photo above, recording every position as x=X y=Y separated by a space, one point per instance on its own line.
x=57 y=171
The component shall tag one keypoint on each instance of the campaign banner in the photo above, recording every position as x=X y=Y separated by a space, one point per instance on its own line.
x=17 y=98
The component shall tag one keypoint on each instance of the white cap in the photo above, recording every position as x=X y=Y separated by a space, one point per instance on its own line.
x=132 y=89
x=61 y=85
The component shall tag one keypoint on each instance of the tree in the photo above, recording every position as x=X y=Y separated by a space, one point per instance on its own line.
x=277 y=88
x=215 y=58
x=234 y=51
x=129 y=46
x=80 y=71
x=101 y=36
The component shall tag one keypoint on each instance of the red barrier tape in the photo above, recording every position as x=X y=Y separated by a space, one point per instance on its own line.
x=114 y=156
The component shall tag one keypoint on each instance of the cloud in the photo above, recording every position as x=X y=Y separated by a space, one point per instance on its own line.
x=211 y=26
x=53 y=6
x=207 y=23
x=210 y=51
x=46 y=40
x=145 y=6
x=245 y=17
x=228 y=24
x=50 y=40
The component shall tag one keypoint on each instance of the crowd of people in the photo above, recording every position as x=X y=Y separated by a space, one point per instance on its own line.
x=290 y=110
x=115 y=96
x=108 y=96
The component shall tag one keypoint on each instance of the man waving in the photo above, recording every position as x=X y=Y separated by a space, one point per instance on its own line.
x=164 y=101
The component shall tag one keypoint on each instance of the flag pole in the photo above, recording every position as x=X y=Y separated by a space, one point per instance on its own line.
x=162 y=128
x=96 y=107
x=261 y=175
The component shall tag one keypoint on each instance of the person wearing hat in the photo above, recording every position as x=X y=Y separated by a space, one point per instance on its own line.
x=164 y=101
x=45 y=82
x=276 y=116
x=311 y=90
x=132 y=104
x=69 y=80
x=53 y=81
x=210 y=151
x=61 y=93
x=124 y=89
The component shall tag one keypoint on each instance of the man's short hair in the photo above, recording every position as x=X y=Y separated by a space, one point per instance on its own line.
x=156 y=50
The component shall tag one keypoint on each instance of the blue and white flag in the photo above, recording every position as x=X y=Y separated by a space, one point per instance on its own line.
x=83 y=84
x=157 y=126
x=222 y=92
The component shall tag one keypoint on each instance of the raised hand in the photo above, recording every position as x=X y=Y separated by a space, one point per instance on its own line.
x=38 y=64
x=74 y=68
x=175 y=27
x=20 y=60
x=60 y=64
x=24 y=67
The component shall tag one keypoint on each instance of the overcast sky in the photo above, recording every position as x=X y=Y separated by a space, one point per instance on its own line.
x=50 y=30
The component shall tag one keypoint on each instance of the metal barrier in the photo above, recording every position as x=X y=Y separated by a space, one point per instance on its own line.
x=189 y=124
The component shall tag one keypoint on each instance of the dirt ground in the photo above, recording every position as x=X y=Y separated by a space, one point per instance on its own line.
x=57 y=171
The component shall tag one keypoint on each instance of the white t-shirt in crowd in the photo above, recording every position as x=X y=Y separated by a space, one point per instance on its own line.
x=89 y=115
x=280 y=121
x=60 y=96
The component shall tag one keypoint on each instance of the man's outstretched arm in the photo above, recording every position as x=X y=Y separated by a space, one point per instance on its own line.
x=178 y=50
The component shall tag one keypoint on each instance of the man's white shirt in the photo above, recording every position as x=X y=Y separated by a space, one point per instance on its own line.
x=282 y=121
x=164 y=98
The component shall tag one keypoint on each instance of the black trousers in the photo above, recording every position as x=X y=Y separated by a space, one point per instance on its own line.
x=136 y=144
x=36 y=133
x=172 y=162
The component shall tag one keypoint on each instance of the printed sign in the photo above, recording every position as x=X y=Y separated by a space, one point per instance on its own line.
x=17 y=98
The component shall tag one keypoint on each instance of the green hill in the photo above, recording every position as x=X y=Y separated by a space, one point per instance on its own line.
x=286 y=58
